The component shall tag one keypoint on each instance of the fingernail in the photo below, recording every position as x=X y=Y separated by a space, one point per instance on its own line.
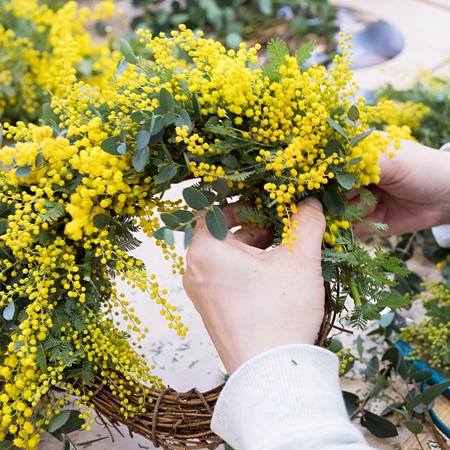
x=311 y=201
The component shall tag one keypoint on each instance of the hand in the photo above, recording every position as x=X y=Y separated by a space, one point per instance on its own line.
x=414 y=191
x=252 y=300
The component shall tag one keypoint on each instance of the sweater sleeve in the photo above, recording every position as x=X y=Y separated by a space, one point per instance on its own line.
x=286 y=398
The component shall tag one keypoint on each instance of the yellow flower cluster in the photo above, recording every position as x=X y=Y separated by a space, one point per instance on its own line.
x=431 y=337
x=75 y=193
x=33 y=38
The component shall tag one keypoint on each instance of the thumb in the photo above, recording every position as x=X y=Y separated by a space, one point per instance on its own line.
x=310 y=228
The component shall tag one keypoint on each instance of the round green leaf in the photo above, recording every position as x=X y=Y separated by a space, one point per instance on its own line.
x=414 y=427
x=166 y=100
x=127 y=51
x=333 y=146
x=352 y=401
x=346 y=180
x=141 y=138
x=140 y=159
x=23 y=172
x=169 y=237
x=183 y=215
x=233 y=39
x=39 y=161
x=171 y=221
x=217 y=223
x=122 y=149
x=101 y=220
x=353 y=113
x=110 y=145
x=8 y=312
x=166 y=174
x=58 y=421
x=434 y=391
x=378 y=426
x=195 y=199
x=333 y=201
x=335 y=345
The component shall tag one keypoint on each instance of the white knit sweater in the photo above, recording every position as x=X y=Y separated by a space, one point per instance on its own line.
x=286 y=398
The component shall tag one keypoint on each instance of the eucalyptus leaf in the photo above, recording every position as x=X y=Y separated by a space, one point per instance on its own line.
x=381 y=380
x=58 y=421
x=414 y=427
x=333 y=146
x=140 y=159
x=195 y=199
x=346 y=180
x=122 y=149
x=378 y=426
x=8 y=312
x=166 y=100
x=66 y=445
x=39 y=161
x=127 y=51
x=333 y=201
x=352 y=402
x=196 y=106
x=141 y=139
x=23 y=171
x=433 y=392
x=415 y=401
x=171 y=221
x=361 y=136
x=216 y=223
x=101 y=220
x=353 y=113
x=166 y=174
x=109 y=145
x=183 y=215
x=337 y=127
x=420 y=375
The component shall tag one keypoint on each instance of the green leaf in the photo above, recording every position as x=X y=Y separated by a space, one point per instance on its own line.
x=53 y=211
x=277 y=51
x=183 y=215
x=23 y=171
x=141 y=139
x=166 y=174
x=304 y=52
x=415 y=401
x=265 y=7
x=164 y=234
x=359 y=346
x=183 y=120
x=41 y=359
x=170 y=220
x=221 y=187
x=386 y=320
x=346 y=180
x=66 y=445
x=127 y=51
x=58 y=421
x=333 y=202
x=355 y=161
x=141 y=116
x=140 y=159
x=353 y=113
x=74 y=423
x=328 y=269
x=101 y=220
x=351 y=402
x=39 y=161
x=233 y=39
x=217 y=223
x=335 y=345
x=166 y=100
x=337 y=127
x=187 y=236
x=420 y=375
x=361 y=136
x=196 y=106
x=122 y=149
x=381 y=380
x=8 y=312
x=378 y=426
x=195 y=199
x=333 y=146
x=373 y=366
x=110 y=145
x=6 y=445
x=434 y=391
x=414 y=427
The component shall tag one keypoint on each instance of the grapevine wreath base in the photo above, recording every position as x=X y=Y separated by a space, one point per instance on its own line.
x=175 y=420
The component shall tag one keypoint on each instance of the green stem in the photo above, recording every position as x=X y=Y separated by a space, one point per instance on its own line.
x=354 y=291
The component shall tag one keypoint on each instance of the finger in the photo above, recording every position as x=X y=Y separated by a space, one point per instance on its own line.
x=309 y=231
x=232 y=213
x=377 y=216
x=255 y=236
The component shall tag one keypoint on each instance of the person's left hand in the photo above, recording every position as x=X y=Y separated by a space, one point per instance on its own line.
x=252 y=300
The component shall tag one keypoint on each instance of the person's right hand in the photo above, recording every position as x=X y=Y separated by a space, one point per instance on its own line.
x=413 y=193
